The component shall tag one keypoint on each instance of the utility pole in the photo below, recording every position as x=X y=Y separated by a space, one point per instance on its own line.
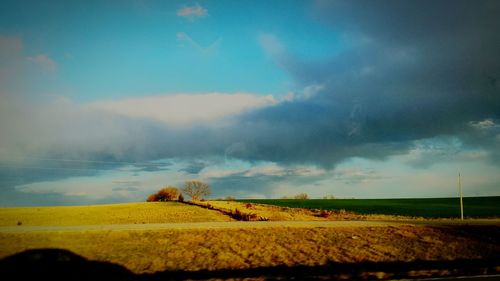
x=461 y=199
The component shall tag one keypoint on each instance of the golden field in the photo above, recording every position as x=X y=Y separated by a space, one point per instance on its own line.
x=109 y=233
x=130 y=213
x=212 y=249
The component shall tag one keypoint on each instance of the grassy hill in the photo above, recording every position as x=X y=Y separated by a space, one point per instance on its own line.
x=129 y=213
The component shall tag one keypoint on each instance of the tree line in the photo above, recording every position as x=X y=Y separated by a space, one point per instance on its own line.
x=195 y=189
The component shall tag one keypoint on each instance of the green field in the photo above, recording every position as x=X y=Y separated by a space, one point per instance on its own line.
x=424 y=207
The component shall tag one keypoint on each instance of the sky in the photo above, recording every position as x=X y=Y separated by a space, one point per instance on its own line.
x=108 y=101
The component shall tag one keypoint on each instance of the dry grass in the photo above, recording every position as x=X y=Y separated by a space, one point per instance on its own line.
x=258 y=212
x=276 y=213
x=151 y=212
x=151 y=251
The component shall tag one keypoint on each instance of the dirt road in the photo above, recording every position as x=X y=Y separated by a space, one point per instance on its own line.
x=239 y=225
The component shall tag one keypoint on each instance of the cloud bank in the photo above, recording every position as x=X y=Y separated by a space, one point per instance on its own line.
x=406 y=73
x=185 y=109
x=415 y=76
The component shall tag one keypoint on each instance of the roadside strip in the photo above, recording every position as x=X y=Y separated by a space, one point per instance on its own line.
x=235 y=225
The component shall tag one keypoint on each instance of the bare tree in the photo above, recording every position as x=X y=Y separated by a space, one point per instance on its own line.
x=196 y=189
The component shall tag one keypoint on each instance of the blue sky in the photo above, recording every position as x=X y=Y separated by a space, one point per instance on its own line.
x=106 y=101
x=133 y=48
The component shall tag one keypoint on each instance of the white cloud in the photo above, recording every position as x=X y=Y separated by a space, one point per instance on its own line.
x=44 y=61
x=274 y=169
x=220 y=173
x=312 y=90
x=192 y=12
x=307 y=92
x=262 y=169
x=266 y=170
x=184 y=109
x=484 y=124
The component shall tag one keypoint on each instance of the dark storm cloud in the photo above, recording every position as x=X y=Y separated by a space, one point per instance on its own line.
x=194 y=167
x=242 y=186
x=410 y=70
x=24 y=171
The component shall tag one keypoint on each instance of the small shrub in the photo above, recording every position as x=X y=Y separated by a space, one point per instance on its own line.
x=238 y=215
x=180 y=198
x=229 y=198
x=248 y=205
x=168 y=193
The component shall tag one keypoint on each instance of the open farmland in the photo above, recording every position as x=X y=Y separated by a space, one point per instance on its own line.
x=130 y=213
x=149 y=251
x=425 y=207
x=156 y=240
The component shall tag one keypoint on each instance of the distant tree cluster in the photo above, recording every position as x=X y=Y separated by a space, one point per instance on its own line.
x=329 y=197
x=302 y=196
x=195 y=189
